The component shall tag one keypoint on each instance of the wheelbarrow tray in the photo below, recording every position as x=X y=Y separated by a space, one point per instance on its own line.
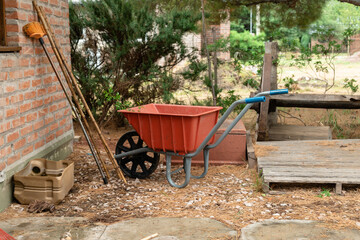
x=176 y=128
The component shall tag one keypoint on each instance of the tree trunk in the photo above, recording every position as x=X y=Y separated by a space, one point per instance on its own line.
x=207 y=52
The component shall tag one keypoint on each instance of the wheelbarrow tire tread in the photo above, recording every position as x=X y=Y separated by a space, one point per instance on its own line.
x=138 y=168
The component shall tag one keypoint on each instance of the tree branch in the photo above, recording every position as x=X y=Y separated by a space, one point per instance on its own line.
x=255 y=2
x=353 y=2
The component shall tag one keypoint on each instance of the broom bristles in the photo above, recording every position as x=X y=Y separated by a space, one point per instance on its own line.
x=34 y=30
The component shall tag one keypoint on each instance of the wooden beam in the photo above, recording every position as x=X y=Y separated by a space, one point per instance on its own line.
x=2 y=24
x=10 y=48
x=328 y=101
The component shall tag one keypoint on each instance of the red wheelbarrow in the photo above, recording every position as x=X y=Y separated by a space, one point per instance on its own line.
x=174 y=130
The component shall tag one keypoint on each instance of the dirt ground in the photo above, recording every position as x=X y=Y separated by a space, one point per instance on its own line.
x=229 y=194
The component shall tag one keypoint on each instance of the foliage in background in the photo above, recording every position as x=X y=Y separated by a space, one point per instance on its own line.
x=351 y=84
x=117 y=48
x=318 y=63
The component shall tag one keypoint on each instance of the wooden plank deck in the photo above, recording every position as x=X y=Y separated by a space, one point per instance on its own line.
x=312 y=161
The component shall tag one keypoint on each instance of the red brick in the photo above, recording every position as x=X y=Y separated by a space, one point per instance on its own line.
x=24 y=85
x=27 y=150
x=50 y=137
x=11 y=112
x=36 y=61
x=47 y=100
x=60 y=132
x=26 y=130
x=37 y=103
x=19 y=144
x=68 y=127
x=16 y=98
x=38 y=50
x=12 y=137
x=31 y=117
x=8 y=62
x=3 y=76
x=12 y=28
x=49 y=120
x=52 y=89
x=40 y=71
x=25 y=107
x=30 y=95
x=16 y=74
x=41 y=92
x=53 y=108
x=36 y=82
x=14 y=15
x=18 y=122
x=1 y=141
x=54 y=2
x=32 y=138
x=29 y=73
x=26 y=6
x=2 y=166
x=5 y=151
x=13 y=158
x=31 y=18
x=63 y=122
x=27 y=51
x=5 y=127
x=54 y=126
x=48 y=80
x=10 y=88
x=39 y=124
x=42 y=112
x=62 y=104
x=11 y=4
x=39 y=144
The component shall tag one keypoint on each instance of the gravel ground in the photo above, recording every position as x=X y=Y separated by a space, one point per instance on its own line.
x=228 y=193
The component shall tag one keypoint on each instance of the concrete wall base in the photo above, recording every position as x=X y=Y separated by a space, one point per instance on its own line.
x=54 y=151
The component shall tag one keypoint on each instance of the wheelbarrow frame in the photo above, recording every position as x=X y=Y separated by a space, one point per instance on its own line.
x=260 y=97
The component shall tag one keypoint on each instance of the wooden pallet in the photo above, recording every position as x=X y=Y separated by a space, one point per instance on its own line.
x=311 y=161
x=280 y=132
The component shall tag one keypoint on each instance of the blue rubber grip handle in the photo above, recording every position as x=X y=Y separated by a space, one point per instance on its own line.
x=255 y=99
x=279 y=91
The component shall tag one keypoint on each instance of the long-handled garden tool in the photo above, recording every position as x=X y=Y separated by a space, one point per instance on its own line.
x=71 y=80
x=35 y=30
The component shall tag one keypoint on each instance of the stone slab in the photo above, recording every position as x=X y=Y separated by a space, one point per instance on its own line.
x=168 y=229
x=294 y=229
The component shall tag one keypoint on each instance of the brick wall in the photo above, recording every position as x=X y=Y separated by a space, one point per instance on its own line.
x=34 y=113
x=222 y=30
x=355 y=44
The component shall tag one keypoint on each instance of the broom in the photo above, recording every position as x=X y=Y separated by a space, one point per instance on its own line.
x=5 y=236
x=36 y=30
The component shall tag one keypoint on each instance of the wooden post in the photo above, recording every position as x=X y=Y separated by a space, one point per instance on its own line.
x=268 y=82
x=2 y=24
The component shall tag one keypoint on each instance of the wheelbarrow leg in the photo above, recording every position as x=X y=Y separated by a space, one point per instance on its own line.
x=206 y=164
x=187 y=169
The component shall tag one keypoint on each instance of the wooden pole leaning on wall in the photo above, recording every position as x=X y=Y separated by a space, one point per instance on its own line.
x=72 y=81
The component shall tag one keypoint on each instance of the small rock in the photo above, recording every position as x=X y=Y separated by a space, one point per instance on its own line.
x=248 y=204
x=78 y=209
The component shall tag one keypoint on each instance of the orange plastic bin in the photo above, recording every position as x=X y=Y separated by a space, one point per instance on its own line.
x=176 y=128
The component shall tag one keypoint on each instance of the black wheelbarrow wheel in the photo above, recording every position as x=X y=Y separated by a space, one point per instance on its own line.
x=139 y=165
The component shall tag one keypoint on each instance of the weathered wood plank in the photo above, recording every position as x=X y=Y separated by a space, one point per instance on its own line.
x=250 y=151
x=327 y=101
x=291 y=132
x=311 y=180
x=312 y=161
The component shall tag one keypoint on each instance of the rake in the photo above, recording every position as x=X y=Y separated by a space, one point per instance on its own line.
x=36 y=30
x=5 y=236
